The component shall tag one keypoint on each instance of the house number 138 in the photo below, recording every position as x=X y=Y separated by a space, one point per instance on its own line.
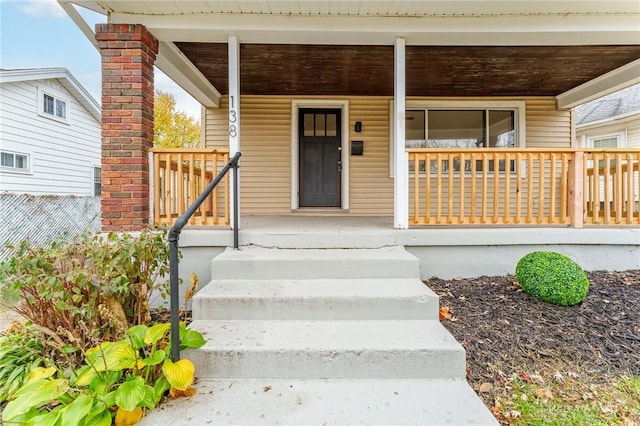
x=233 y=130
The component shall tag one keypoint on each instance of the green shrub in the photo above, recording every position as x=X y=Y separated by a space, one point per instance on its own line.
x=88 y=290
x=552 y=278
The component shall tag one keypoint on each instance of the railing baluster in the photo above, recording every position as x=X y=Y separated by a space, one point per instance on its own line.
x=427 y=187
x=485 y=166
x=507 y=188
x=439 y=189
x=518 y=212
x=618 y=194
x=552 y=188
x=473 y=187
x=461 y=198
x=450 y=161
x=496 y=187
x=564 y=187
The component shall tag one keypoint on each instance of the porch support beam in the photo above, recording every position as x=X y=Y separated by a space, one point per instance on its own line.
x=401 y=175
x=618 y=79
x=234 y=117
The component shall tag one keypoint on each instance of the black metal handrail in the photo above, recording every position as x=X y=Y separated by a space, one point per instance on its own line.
x=174 y=235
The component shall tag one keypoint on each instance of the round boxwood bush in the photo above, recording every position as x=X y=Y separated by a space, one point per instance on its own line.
x=553 y=278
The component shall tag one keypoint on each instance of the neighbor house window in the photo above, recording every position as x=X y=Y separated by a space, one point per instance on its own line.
x=97 y=181
x=52 y=106
x=453 y=125
x=14 y=161
x=614 y=140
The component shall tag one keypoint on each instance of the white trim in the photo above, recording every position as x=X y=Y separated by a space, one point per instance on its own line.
x=620 y=136
x=618 y=79
x=234 y=117
x=52 y=93
x=461 y=30
x=296 y=105
x=401 y=180
x=520 y=107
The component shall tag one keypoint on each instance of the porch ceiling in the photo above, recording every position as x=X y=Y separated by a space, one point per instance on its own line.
x=334 y=70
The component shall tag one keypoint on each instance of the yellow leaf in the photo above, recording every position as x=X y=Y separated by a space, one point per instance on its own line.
x=176 y=393
x=180 y=374
x=128 y=418
x=41 y=373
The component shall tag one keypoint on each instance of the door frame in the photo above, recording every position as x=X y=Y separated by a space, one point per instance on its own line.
x=296 y=105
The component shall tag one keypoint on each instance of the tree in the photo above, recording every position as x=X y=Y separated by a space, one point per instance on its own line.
x=171 y=128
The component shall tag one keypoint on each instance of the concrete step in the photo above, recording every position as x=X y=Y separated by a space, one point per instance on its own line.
x=316 y=299
x=273 y=263
x=327 y=349
x=326 y=402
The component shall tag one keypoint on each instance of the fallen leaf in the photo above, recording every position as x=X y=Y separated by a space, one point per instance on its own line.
x=558 y=377
x=444 y=313
x=513 y=413
x=523 y=376
x=298 y=400
x=266 y=389
x=543 y=394
x=177 y=393
x=128 y=418
x=537 y=378
x=486 y=387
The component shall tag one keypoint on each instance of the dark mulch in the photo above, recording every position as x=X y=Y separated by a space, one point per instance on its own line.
x=504 y=329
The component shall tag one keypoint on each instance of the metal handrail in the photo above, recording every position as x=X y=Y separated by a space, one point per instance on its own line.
x=174 y=235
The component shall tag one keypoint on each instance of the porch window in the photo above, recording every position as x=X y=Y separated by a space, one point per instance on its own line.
x=463 y=124
x=461 y=128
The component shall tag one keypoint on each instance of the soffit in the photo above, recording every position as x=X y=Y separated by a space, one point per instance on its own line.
x=430 y=70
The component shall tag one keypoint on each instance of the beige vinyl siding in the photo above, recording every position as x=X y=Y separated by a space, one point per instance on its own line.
x=265 y=140
x=547 y=127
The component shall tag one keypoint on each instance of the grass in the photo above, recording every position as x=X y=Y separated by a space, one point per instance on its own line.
x=568 y=398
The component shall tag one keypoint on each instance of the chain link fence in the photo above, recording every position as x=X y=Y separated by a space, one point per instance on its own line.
x=45 y=218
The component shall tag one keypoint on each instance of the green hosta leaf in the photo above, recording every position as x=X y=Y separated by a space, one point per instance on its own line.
x=179 y=374
x=110 y=399
x=100 y=418
x=130 y=393
x=75 y=412
x=137 y=333
x=155 y=359
x=85 y=376
x=33 y=395
x=160 y=388
x=46 y=419
x=191 y=339
x=99 y=415
x=149 y=400
x=155 y=333
x=114 y=356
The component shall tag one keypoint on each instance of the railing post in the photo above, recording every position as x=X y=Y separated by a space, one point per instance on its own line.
x=576 y=189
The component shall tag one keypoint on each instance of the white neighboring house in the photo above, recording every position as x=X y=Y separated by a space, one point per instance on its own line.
x=612 y=121
x=50 y=156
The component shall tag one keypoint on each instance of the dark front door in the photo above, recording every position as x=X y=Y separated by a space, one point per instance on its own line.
x=320 y=160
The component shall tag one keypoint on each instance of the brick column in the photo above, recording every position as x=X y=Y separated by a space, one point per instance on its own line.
x=128 y=54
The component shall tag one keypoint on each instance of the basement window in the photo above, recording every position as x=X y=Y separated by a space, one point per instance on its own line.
x=14 y=161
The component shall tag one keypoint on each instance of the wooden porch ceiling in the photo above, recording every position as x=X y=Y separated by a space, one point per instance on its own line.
x=336 y=70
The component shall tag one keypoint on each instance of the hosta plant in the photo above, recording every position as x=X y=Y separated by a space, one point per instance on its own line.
x=119 y=382
x=20 y=352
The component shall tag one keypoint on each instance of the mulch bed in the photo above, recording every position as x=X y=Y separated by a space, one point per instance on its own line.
x=504 y=330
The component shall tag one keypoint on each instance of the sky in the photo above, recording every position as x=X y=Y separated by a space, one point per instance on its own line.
x=39 y=34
